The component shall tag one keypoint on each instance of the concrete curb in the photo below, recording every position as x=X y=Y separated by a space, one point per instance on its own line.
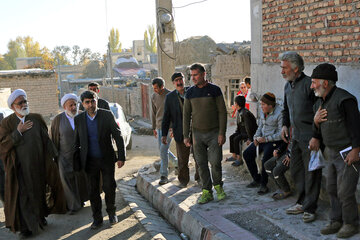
x=180 y=214
x=158 y=228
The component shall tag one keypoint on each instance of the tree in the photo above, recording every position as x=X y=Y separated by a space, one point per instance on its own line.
x=15 y=50
x=4 y=65
x=94 y=69
x=60 y=55
x=115 y=44
x=31 y=47
x=75 y=54
x=85 y=56
x=150 y=39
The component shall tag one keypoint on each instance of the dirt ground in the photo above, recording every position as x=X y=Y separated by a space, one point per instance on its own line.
x=76 y=226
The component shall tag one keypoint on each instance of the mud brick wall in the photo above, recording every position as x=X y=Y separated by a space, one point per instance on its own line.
x=41 y=89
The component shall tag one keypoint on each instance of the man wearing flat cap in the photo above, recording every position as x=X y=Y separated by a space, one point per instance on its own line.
x=336 y=125
x=267 y=138
x=298 y=114
x=27 y=152
x=63 y=136
x=173 y=115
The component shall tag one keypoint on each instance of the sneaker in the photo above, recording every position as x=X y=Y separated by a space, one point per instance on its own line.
x=296 y=209
x=206 y=197
x=347 y=230
x=253 y=184
x=230 y=159
x=163 y=180
x=237 y=163
x=308 y=217
x=331 y=228
x=220 y=192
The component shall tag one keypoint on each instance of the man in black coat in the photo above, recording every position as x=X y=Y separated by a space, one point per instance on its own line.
x=94 y=154
x=173 y=114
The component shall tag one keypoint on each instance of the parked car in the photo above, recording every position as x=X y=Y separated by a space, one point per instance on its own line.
x=4 y=112
x=122 y=122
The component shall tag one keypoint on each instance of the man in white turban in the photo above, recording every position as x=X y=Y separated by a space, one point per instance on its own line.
x=63 y=135
x=27 y=152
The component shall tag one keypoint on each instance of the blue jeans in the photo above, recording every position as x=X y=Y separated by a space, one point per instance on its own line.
x=165 y=154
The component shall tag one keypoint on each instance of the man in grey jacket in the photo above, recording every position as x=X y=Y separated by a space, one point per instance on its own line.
x=267 y=138
x=298 y=113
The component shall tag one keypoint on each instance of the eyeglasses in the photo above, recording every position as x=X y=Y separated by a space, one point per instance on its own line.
x=22 y=102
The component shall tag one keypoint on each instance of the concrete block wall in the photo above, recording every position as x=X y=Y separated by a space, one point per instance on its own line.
x=40 y=88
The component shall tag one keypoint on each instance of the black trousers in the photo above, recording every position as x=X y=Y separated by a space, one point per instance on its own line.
x=235 y=140
x=95 y=170
x=276 y=170
x=250 y=155
x=307 y=183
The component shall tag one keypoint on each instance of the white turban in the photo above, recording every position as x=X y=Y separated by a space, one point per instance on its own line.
x=68 y=96
x=14 y=95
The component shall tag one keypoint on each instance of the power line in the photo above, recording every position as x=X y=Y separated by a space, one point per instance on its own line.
x=191 y=4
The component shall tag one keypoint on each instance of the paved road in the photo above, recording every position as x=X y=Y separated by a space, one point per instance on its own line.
x=129 y=227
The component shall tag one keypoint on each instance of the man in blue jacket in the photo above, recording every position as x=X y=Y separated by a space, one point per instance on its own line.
x=173 y=114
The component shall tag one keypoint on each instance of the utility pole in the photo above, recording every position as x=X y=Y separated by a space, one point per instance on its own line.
x=110 y=72
x=165 y=40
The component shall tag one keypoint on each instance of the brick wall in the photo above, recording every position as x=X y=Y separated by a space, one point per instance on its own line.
x=41 y=89
x=320 y=30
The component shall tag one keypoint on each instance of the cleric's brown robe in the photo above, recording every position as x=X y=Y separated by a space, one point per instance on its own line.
x=80 y=177
x=38 y=174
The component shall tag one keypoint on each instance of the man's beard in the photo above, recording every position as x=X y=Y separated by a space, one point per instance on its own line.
x=290 y=77
x=320 y=92
x=23 y=111
x=70 y=114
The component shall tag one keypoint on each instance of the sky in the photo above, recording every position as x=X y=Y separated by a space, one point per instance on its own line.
x=87 y=23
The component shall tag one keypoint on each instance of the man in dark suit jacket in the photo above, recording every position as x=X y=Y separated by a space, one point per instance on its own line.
x=94 y=153
x=101 y=103
x=173 y=113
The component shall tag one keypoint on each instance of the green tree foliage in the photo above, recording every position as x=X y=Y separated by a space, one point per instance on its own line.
x=114 y=40
x=15 y=50
x=63 y=55
x=150 y=39
x=4 y=65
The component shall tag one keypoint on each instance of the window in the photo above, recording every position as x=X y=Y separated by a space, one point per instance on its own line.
x=234 y=88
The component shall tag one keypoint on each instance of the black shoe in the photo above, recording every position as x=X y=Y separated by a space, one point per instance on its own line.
x=163 y=180
x=96 y=224
x=43 y=223
x=182 y=185
x=113 y=219
x=263 y=190
x=72 y=212
x=253 y=184
x=25 y=234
